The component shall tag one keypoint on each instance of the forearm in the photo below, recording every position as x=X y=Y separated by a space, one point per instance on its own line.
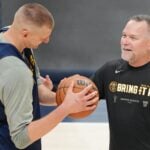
x=39 y=128
x=46 y=96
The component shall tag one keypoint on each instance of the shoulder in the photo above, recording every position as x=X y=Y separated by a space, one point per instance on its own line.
x=110 y=65
x=14 y=69
x=12 y=62
x=113 y=63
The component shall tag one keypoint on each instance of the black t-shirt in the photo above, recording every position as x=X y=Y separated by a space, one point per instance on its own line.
x=127 y=93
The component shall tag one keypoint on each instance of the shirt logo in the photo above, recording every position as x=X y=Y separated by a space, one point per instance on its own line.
x=117 y=71
x=113 y=86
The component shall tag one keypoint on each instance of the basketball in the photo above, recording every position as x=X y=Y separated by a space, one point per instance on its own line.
x=80 y=82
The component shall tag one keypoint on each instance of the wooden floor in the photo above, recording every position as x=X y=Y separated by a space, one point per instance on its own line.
x=77 y=136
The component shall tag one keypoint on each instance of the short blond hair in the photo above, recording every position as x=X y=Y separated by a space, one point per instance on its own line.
x=36 y=14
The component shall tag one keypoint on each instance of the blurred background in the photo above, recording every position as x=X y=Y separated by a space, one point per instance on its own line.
x=86 y=35
x=87 y=32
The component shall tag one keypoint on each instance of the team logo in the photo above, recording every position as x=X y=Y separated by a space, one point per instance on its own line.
x=113 y=86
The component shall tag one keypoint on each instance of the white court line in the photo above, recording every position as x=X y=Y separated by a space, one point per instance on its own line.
x=77 y=136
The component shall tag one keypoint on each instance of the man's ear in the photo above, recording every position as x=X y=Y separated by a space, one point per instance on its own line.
x=25 y=33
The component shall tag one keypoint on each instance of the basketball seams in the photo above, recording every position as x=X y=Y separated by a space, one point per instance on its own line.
x=80 y=82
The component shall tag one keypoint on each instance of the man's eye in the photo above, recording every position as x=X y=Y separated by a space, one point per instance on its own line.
x=123 y=35
x=133 y=37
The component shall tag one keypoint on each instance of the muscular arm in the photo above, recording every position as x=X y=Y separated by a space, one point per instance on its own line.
x=45 y=85
x=16 y=96
x=46 y=96
x=17 y=100
x=73 y=102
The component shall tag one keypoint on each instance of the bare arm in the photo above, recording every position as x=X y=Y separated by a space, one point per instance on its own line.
x=74 y=102
x=46 y=95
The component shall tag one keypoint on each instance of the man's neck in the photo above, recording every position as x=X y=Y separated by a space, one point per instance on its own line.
x=11 y=37
x=139 y=63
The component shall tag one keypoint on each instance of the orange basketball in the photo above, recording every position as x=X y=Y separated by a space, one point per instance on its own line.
x=80 y=82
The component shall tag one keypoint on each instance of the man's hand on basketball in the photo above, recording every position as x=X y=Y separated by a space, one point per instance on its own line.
x=82 y=101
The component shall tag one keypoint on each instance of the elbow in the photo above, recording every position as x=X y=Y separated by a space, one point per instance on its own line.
x=21 y=141
x=20 y=144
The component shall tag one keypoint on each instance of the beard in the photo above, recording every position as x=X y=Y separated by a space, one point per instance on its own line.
x=128 y=56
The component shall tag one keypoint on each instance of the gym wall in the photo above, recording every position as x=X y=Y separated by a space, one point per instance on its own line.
x=87 y=32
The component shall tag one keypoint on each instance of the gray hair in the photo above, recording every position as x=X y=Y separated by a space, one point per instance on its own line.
x=141 y=17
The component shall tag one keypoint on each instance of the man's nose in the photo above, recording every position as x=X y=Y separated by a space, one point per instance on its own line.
x=125 y=41
x=46 y=41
